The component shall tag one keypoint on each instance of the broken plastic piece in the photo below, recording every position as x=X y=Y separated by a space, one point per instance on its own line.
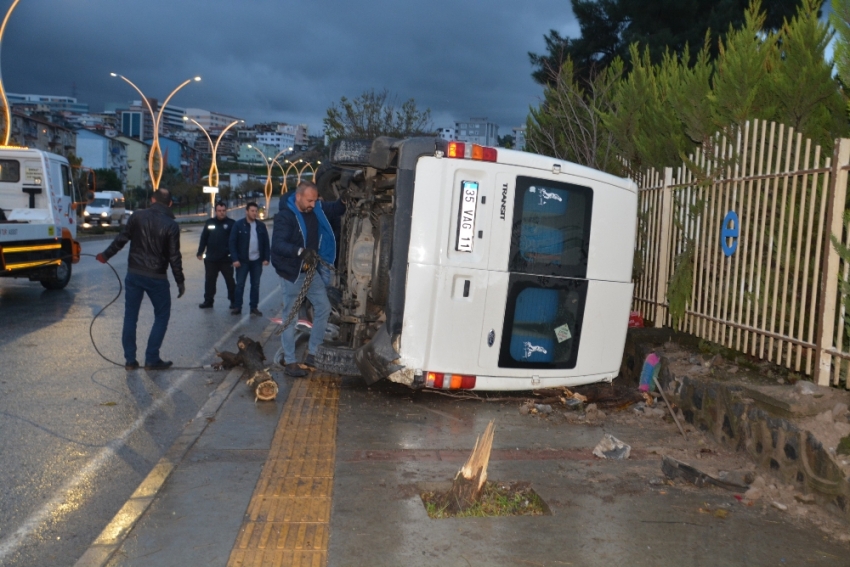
x=650 y=370
x=612 y=448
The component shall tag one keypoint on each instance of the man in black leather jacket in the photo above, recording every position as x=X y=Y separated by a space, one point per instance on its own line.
x=154 y=239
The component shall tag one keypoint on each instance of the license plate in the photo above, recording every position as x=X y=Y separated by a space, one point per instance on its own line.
x=466 y=218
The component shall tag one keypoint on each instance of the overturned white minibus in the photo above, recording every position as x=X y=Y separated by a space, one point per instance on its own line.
x=468 y=267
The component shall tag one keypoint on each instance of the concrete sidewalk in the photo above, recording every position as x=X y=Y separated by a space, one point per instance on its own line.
x=331 y=474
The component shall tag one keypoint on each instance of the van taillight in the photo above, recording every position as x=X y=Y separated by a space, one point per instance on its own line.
x=461 y=150
x=456 y=150
x=441 y=381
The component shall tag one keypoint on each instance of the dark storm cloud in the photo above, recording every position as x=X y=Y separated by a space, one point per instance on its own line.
x=266 y=60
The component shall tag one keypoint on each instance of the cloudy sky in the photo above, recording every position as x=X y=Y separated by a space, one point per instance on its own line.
x=281 y=60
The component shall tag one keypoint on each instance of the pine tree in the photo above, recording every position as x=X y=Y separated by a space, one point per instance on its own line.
x=741 y=82
x=804 y=93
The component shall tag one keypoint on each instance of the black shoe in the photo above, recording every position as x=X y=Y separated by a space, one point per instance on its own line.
x=158 y=365
x=235 y=311
x=310 y=361
x=295 y=371
x=232 y=307
x=206 y=305
x=256 y=313
x=131 y=365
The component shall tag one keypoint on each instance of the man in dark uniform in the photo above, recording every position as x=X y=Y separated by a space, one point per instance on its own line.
x=154 y=239
x=215 y=239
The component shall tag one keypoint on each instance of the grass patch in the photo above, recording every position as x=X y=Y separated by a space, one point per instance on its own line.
x=497 y=499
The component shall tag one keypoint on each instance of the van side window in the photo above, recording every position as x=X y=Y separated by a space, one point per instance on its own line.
x=67 y=183
x=551 y=228
x=10 y=170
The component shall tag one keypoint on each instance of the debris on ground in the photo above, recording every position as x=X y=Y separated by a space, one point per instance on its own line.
x=612 y=448
x=649 y=374
x=675 y=469
x=593 y=414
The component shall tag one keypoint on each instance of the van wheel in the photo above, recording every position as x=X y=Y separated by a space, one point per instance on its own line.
x=60 y=278
x=381 y=260
x=337 y=359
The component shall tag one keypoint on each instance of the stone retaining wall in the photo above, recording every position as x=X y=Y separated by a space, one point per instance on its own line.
x=722 y=409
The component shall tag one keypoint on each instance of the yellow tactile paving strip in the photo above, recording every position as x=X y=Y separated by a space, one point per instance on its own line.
x=288 y=519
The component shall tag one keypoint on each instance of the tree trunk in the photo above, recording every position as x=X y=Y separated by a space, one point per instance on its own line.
x=467 y=485
x=252 y=358
x=264 y=387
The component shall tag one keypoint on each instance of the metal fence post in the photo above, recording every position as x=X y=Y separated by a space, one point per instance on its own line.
x=829 y=282
x=664 y=248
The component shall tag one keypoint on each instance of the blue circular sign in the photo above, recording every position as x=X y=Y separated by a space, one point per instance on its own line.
x=729 y=232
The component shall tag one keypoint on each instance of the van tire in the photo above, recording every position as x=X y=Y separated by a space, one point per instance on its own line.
x=381 y=260
x=336 y=359
x=61 y=277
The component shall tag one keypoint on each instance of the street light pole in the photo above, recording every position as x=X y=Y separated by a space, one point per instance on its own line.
x=267 y=188
x=213 y=175
x=301 y=170
x=7 y=112
x=155 y=166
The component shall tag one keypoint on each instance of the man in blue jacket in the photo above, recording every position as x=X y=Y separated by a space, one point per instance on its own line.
x=249 y=250
x=303 y=234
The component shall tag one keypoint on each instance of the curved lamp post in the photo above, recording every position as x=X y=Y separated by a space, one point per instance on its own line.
x=7 y=112
x=267 y=188
x=299 y=171
x=155 y=166
x=213 y=175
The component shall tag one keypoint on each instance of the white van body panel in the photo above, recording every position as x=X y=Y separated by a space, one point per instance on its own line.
x=456 y=300
x=108 y=206
x=53 y=204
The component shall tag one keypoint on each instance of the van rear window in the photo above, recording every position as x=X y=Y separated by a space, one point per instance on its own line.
x=543 y=321
x=551 y=228
x=10 y=170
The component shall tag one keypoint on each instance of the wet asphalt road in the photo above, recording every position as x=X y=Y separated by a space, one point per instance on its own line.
x=78 y=434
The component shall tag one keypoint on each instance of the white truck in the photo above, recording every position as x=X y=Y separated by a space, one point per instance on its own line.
x=38 y=217
x=467 y=267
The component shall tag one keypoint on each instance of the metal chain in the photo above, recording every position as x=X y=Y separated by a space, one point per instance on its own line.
x=302 y=294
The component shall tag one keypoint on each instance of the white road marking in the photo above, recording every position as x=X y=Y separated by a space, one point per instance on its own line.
x=13 y=542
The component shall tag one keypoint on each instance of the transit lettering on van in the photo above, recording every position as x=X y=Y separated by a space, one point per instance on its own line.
x=504 y=201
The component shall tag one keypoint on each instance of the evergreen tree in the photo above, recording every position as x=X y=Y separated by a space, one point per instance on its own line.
x=656 y=115
x=805 y=96
x=608 y=27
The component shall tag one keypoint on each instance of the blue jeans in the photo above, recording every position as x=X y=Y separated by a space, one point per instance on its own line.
x=318 y=296
x=255 y=269
x=159 y=292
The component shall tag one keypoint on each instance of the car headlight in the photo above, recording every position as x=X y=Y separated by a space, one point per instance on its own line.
x=104 y=215
x=85 y=213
